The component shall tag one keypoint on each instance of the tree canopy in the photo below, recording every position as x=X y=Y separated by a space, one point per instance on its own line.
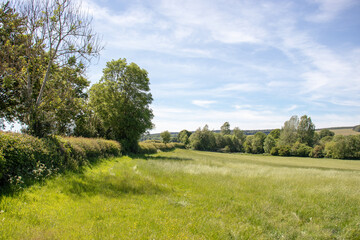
x=165 y=136
x=122 y=100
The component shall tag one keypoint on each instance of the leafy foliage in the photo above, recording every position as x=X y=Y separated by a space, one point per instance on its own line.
x=13 y=41
x=122 y=101
x=165 y=136
x=269 y=143
x=306 y=131
x=183 y=137
x=151 y=146
x=225 y=129
x=46 y=46
x=326 y=132
x=29 y=158
x=288 y=134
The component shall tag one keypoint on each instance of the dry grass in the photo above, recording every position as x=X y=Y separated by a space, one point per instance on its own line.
x=344 y=132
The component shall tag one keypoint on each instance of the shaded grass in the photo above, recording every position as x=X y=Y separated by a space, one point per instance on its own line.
x=192 y=195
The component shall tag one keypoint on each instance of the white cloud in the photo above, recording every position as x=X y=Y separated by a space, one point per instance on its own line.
x=231 y=39
x=203 y=103
x=241 y=87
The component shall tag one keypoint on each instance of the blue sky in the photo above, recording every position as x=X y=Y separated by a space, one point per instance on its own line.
x=251 y=63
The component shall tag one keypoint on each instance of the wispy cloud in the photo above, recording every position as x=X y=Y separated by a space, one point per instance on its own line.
x=241 y=87
x=253 y=50
x=203 y=103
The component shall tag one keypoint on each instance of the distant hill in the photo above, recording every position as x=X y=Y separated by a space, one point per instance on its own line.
x=337 y=130
x=342 y=130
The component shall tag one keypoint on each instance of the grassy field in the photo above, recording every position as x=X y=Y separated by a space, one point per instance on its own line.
x=192 y=195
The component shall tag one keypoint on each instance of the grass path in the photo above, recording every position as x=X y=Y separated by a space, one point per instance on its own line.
x=192 y=195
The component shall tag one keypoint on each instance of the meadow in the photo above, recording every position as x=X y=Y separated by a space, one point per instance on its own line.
x=185 y=194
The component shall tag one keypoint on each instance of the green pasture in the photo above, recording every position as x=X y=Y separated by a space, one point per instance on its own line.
x=187 y=194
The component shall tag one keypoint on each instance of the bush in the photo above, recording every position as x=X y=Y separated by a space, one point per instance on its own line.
x=317 y=152
x=274 y=151
x=284 y=150
x=29 y=158
x=153 y=146
x=301 y=150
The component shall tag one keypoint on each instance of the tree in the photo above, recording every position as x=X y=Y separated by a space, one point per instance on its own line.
x=225 y=129
x=275 y=133
x=306 y=131
x=269 y=143
x=248 y=144
x=258 y=142
x=239 y=134
x=203 y=139
x=288 y=135
x=183 y=136
x=122 y=101
x=13 y=41
x=165 y=136
x=58 y=35
x=325 y=133
x=88 y=124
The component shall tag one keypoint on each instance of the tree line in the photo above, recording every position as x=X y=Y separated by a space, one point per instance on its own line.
x=297 y=137
x=46 y=48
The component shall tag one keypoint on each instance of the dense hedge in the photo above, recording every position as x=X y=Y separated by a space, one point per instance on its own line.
x=153 y=146
x=24 y=158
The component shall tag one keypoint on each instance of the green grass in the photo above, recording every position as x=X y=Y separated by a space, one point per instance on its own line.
x=192 y=195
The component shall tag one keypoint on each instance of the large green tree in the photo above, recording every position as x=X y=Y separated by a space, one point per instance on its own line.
x=225 y=129
x=46 y=39
x=122 y=100
x=288 y=133
x=13 y=39
x=306 y=131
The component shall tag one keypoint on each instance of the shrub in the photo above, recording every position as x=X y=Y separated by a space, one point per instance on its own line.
x=317 y=152
x=152 y=146
x=274 y=151
x=284 y=150
x=301 y=150
x=325 y=133
x=29 y=158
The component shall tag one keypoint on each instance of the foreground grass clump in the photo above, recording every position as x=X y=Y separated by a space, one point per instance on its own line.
x=192 y=195
x=25 y=158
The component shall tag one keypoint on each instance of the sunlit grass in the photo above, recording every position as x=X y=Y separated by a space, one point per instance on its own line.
x=192 y=195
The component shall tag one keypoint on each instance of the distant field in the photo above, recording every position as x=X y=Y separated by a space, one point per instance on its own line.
x=345 y=132
x=192 y=195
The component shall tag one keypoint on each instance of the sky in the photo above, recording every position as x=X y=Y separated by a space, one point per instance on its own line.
x=251 y=63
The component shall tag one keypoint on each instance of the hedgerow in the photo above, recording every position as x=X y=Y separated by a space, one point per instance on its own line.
x=153 y=146
x=24 y=158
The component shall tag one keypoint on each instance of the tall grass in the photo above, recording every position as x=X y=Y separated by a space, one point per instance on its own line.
x=187 y=194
